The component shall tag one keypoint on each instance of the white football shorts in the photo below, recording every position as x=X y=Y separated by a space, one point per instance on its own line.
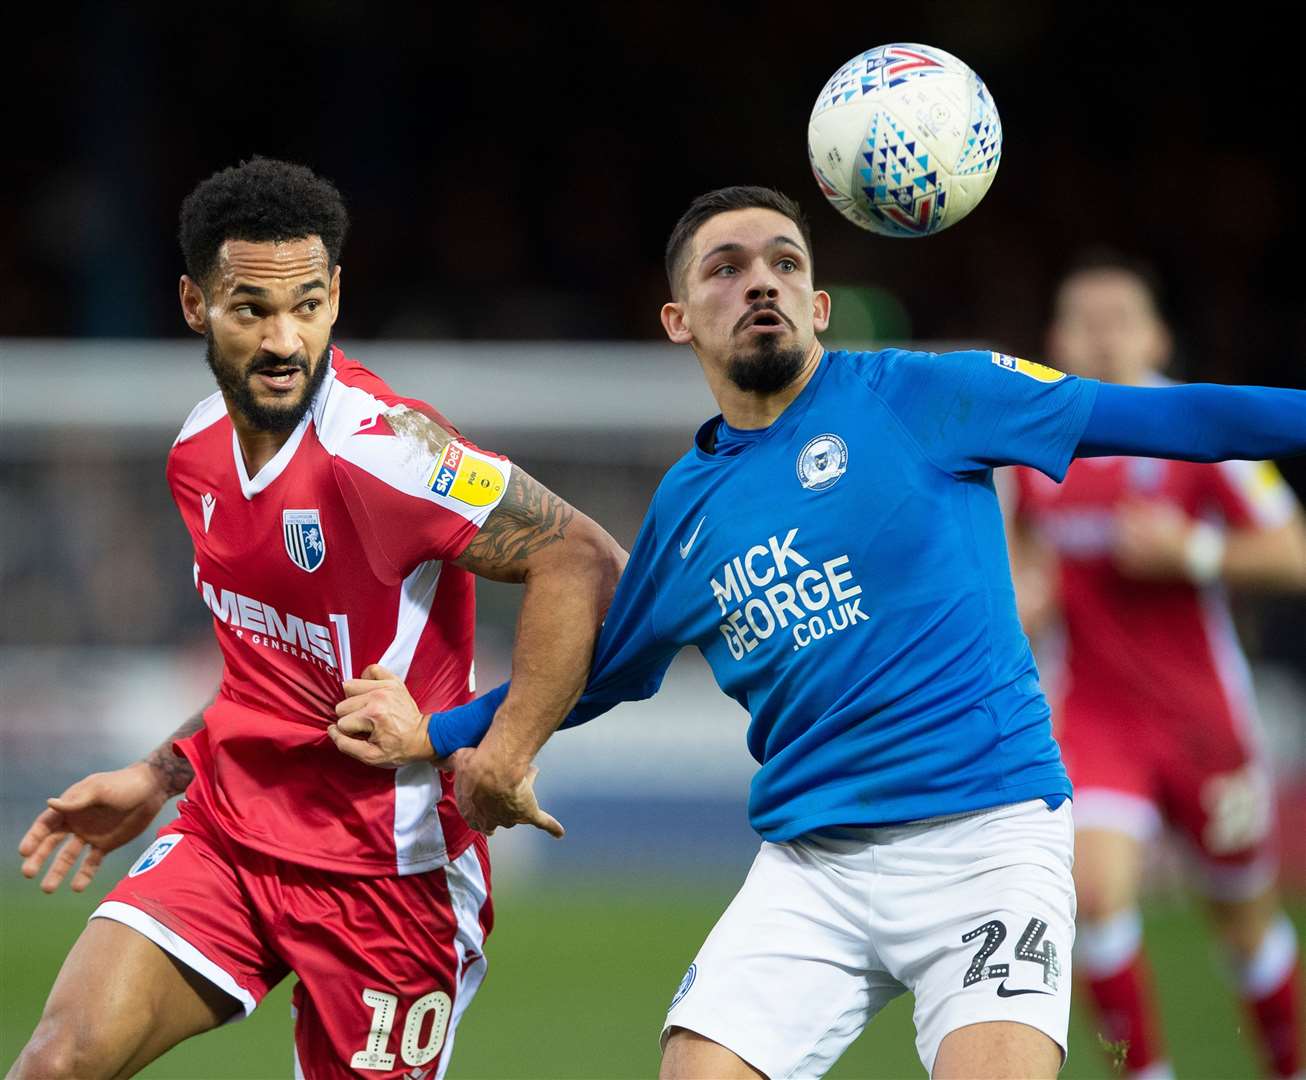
x=974 y=914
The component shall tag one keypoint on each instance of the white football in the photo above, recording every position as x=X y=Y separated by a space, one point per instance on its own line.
x=904 y=140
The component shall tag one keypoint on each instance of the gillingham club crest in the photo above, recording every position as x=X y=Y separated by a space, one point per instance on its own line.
x=305 y=541
x=822 y=461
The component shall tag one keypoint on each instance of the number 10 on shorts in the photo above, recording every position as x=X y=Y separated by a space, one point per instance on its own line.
x=415 y=1050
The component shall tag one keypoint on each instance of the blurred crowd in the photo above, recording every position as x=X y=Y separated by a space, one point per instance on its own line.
x=513 y=172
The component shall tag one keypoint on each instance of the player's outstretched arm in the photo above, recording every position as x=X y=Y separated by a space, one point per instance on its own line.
x=1199 y=422
x=102 y=812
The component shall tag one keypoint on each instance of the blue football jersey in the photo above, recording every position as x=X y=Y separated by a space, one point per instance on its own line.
x=844 y=572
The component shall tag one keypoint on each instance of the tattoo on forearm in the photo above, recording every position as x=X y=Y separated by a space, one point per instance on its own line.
x=528 y=518
x=175 y=772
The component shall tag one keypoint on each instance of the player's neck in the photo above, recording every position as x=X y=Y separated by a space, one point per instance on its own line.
x=257 y=446
x=748 y=410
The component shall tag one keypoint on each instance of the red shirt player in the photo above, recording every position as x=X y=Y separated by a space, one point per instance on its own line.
x=1156 y=719
x=335 y=526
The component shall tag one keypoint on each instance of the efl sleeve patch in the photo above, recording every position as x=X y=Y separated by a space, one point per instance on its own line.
x=1038 y=372
x=463 y=474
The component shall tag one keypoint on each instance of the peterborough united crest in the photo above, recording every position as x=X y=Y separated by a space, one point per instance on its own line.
x=822 y=461
x=305 y=541
x=684 y=986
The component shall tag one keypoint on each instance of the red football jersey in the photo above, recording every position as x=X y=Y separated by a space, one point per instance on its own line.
x=334 y=556
x=1148 y=649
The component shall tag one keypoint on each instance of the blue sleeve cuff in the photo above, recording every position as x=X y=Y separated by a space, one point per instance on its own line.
x=467 y=724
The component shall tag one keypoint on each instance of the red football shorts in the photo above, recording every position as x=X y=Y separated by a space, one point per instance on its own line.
x=1203 y=776
x=386 y=965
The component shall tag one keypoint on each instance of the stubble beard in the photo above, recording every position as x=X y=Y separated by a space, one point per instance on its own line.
x=235 y=387
x=767 y=368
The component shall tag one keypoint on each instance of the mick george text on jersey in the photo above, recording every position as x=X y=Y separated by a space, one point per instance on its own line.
x=758 y=596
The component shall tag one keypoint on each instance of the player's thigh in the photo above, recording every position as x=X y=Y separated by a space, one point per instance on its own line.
x=386 y=966
x=784 y=981
x=1223 y=807
x=691 y=1056
x=976 y=917
x=997 y=1051
x=118 y=1003
x=1108 y=870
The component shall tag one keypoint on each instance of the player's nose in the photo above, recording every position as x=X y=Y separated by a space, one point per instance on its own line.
x=281 y=337
x=762 y=287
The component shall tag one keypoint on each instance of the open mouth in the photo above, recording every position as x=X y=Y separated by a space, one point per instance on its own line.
x=765 y=320
x=279 y=378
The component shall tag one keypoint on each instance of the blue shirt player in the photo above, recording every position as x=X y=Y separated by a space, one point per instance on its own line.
x=833 y=545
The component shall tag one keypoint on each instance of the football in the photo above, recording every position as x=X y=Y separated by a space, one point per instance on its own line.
x=904 y=140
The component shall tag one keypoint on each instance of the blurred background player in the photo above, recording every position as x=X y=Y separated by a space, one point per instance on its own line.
x=1157 y=722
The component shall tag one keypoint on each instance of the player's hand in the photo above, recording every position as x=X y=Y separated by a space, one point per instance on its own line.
x=491 y=795
x=1150 y=539
x=96 y=815
x=379 y=722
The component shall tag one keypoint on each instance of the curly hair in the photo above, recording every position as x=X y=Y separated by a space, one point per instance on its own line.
x=259 y=200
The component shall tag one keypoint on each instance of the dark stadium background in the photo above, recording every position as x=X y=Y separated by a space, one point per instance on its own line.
x=512 y=173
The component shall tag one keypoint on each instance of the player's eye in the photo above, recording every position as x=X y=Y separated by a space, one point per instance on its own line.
x=787 y=265
x=247 y=311
x=725 y=270
x=310 y=306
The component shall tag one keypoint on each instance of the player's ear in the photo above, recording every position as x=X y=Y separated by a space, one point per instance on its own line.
x=194 y=309
x=821 y=311
x=673 y=322
x=333 y=294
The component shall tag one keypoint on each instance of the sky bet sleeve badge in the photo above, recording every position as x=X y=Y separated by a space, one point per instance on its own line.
x=1038 y=372
x=463 y=474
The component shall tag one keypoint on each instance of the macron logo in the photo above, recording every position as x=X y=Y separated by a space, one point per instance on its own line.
x=684 y=548
x=208 y=502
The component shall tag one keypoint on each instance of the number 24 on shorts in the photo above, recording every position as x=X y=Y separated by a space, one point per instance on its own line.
x=415 y=1052
x=1028 y=948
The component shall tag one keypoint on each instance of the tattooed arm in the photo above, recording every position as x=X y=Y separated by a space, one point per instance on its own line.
x=569 y=566
x=174 y=772
x=103 y=811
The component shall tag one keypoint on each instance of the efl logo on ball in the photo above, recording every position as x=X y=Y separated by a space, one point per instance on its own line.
x=904 y=140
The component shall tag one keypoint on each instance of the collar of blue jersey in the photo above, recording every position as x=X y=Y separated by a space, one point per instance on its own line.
x=705 y=439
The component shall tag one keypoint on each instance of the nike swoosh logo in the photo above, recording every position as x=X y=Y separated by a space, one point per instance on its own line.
x=1004 y=992
x=684 y=548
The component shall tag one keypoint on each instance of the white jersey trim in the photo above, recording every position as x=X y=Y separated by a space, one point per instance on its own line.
x=177 y=947
x=1230 y=665
x=467 y=895
x=249 y=487
x=406 y=463
x=207 y=413
x=419 y=837
x=1268 y=499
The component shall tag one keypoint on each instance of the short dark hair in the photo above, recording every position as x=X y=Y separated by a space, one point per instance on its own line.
x=259 y=200
x=721 y=201
x=1102 y=259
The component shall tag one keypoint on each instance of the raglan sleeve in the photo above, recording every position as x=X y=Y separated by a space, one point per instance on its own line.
x=975 y=410
x=413 y=494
